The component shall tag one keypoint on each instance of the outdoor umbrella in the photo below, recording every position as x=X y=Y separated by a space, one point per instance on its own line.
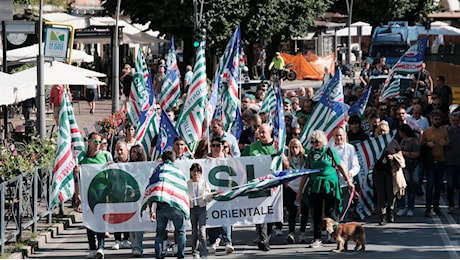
x=60 y=73
x=29 y=54
x=14 y=90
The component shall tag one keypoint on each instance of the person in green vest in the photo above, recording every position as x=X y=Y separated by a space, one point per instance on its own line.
x=264 y=146
x=93 y=155
x=322 y=192
x=277 y=64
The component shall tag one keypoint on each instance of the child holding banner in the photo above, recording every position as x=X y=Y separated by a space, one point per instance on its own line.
x=199 y=194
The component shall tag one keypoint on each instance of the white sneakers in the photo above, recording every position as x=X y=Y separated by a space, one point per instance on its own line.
x=117 y=245
x=124 y=244
x=100 y=254
x=96 y=254
x=229 y=249
x=316 y=243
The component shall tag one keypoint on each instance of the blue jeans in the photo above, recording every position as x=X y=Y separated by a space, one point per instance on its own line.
x=137 y=238
x=453 y=180
x=421 y=175
x=434 y=178
x=163 y=214
x=224 y=233
x=91 y=235
x=411 y=176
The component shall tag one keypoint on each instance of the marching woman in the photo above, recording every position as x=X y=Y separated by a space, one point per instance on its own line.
x=322 y=188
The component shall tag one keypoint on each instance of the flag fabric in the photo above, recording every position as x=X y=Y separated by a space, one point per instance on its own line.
x=319 y=92
x=215 y=98
x=140 y=96
x=357 y=109
x=148 y=130
x=165 y=136
x=230 y=81
x=410 y=63
x=170 y=91
x=69 y=146
x=368 y=153
x=191 y=118
x=279 y=132
x=269 y=104
x=237 y=126
x=167 y=184
x=391 y=90
x=412 y=60
x=262 y=183
x=328 y=113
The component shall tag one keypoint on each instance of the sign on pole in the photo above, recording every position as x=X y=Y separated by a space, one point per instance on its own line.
x=57 y=42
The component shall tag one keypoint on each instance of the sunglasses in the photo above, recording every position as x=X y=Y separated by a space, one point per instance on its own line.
x=96 y=141
x=104 y=143
x=226 y=146
x=314 y=142
x=216 y=145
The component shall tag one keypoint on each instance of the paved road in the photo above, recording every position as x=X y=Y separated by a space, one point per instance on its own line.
x=415 y=237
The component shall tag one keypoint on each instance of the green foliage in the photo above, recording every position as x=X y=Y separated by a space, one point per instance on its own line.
x=22 y=157
x=381 y=11
x=45 y=2
x=259 y=19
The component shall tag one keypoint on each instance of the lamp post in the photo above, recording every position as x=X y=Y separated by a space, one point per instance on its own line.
x=350 y=10
x=116 y=64
x=40 y=76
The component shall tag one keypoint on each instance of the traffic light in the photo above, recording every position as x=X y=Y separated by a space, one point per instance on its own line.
x=196 y=37
x=199 y=35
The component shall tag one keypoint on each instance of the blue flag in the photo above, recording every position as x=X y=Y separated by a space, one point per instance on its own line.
x=167 y=134
x=358 y=107
x=237 y=127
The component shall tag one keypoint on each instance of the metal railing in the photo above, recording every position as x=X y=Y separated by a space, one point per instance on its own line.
x=24 y=200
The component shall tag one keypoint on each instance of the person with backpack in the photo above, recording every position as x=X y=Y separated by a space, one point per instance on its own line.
x=322 y=192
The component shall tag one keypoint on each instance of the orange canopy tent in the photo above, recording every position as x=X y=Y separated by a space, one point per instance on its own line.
x=310 y=66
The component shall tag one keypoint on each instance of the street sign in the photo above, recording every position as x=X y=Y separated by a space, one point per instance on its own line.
x=57 y=42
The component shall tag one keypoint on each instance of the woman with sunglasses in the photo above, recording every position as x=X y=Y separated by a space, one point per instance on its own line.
x=296 y=159
x=322 y=188
x=219 y=233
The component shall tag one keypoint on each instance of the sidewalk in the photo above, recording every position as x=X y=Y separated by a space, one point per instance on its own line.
x=81 y=111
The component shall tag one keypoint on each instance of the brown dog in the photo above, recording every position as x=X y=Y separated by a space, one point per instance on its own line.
x=343 y=232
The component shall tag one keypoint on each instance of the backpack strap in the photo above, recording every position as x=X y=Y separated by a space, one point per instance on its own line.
x=310 y=156
x=329 y=152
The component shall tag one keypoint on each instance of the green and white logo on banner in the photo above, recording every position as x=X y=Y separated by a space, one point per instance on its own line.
x=57 y=42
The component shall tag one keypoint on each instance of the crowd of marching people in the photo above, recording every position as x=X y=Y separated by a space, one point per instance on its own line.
x=424 y=150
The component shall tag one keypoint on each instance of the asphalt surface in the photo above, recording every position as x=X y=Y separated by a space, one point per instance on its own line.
x=416 y=237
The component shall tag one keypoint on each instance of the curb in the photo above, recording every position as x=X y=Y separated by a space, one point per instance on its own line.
x=45 y=236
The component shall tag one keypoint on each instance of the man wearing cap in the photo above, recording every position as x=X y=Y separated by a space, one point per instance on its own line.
x=278 y=64
x=287 y=104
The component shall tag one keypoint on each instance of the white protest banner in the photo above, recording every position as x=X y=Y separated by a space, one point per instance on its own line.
x=112 y=194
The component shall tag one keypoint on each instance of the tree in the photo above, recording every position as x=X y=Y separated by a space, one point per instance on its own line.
x=382 y=11
x=268 y=20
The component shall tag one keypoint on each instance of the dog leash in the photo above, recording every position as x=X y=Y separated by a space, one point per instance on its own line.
x=352 y=194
